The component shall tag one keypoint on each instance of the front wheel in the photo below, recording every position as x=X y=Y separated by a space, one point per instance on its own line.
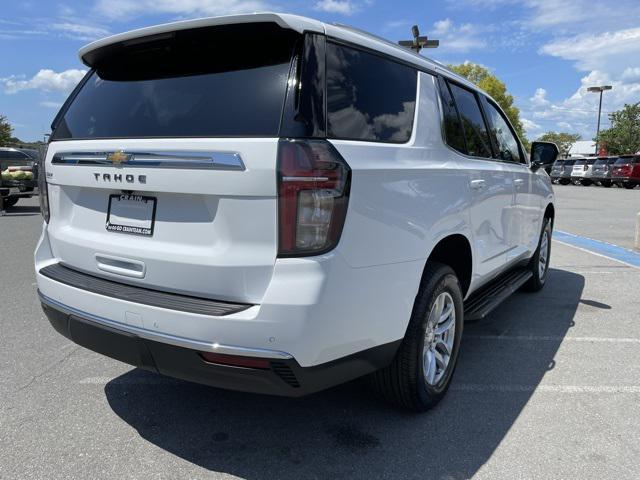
x=539 y=264
x=629 y=186
x=606 y=184
x=420 y=374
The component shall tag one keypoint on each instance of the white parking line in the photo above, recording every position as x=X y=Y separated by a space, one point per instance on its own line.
x=552 y=338
x=513 y=388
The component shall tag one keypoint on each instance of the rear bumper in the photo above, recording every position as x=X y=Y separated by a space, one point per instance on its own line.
x=284 y=376
x=315 y=310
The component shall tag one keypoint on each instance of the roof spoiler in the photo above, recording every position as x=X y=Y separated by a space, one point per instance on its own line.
x=90 y=54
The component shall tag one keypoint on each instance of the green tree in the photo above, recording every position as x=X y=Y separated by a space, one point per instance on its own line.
x=624 y=134
x=562 y=139
x=5 y=131
x=491 y=84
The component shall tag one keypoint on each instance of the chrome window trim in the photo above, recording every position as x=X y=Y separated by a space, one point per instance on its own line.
x=176 y=159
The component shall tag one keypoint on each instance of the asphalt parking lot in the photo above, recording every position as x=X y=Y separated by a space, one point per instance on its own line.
x=547 y=387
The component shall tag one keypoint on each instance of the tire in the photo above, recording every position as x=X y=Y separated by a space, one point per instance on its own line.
x=606 y=184
x=540 y=275
x=10 y=201
x=404 y=382
x=629 y=186
x=585 y=183
x=564 y=181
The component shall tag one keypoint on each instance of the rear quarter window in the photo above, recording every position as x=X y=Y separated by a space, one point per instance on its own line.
x=369 y=97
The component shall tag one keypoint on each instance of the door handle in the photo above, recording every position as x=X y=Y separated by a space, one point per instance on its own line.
x=518 y=182
x=476 y=184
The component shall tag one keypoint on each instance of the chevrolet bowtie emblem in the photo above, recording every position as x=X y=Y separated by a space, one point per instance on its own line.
x=118 y=157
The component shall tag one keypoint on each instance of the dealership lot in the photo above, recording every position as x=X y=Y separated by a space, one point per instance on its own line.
x=547 y=387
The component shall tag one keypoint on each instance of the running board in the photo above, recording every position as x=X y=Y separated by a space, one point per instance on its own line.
x=482 y=302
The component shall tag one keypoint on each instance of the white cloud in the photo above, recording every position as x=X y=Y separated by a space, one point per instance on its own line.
x=49 y=104
x=345 y=7
x=117 y=9
x=578 y=112
x=459 y=38
x=45 y=79
x=539 y=98
x=80 y=31
x=593 y=51
x=631 y=75
x=532 y=128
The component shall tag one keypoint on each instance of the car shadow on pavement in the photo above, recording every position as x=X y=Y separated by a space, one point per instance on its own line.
x=346 y=432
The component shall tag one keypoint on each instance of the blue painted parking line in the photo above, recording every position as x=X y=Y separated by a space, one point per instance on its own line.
x=597 y=247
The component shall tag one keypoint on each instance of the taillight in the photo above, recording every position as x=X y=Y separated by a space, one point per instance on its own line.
x=43 y=197
x=313 y=193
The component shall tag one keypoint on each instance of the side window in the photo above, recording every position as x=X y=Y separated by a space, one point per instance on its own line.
x=368 y=97
x=453 y=132
x=475 y=130
x=502 y=135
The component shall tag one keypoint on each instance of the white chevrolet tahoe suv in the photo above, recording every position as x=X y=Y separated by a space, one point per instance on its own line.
x=273 y=204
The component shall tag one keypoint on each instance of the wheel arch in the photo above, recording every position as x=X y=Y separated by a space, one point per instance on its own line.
x=455 y=251
x=550 y=212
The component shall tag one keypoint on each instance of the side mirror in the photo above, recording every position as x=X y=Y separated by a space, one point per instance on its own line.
x=543 y=154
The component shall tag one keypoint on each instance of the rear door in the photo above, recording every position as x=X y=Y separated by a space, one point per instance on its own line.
x=490 y=181
x=524 y=227
x=162 y=170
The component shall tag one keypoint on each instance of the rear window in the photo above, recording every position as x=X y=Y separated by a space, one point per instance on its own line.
x=623 y=161
x=569 y=163
x=581 y=162
x=558 y=163
x=369 y=97
x=600 y=162
x=208 y=82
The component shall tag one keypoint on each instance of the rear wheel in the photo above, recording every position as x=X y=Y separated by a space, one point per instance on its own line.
x=586 y=183
x=564 y=181
x=420 y=374
x=629 y=186
x=606 y=183
x=539 y=263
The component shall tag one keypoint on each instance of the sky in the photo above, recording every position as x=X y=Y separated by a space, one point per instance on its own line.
x=547 y=51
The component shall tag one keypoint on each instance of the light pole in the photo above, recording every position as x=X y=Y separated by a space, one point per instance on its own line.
x=600 y=89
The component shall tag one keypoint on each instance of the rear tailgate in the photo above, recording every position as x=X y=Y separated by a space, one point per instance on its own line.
x=162 y=171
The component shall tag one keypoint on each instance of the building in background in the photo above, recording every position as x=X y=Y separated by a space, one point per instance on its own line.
x=582 y=148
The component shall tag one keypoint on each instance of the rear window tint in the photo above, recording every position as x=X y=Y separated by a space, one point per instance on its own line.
x=208 y=82
x=580 y=162
x=453 y=132
x=475 y=130
x=569 y=163
x=369 y=97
